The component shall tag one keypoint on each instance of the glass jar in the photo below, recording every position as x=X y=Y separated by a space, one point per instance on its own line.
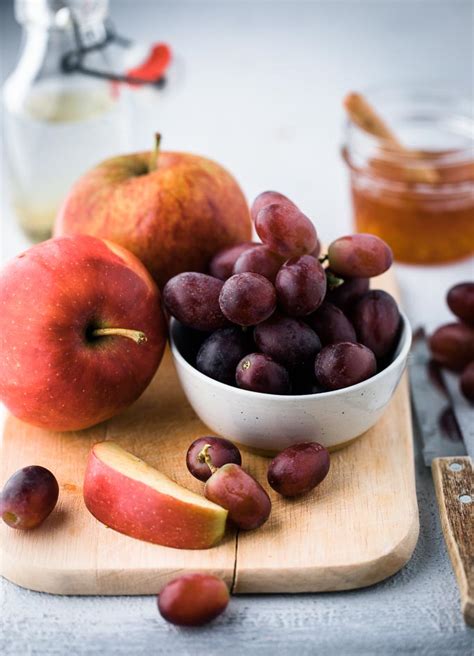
x=57 y=124
x=420 y=201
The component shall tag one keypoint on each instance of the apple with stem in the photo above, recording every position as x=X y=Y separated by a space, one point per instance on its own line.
x=82 y=332
x=173 y=210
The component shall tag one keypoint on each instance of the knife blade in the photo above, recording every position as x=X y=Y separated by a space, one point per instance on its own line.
x=439 y=431
x=463 y=410
x=453 y=473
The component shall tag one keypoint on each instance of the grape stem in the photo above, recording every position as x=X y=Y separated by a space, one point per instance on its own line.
x=136 y=335
x=333 y=281
x=204 y=456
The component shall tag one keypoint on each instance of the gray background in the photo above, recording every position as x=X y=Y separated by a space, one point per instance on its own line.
x=257 y=86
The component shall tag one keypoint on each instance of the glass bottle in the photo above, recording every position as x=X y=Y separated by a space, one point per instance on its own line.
x=57 y=124
x=426 y=220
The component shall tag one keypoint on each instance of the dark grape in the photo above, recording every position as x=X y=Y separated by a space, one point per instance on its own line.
x=193 y=299
x=222 y=264
x=232 y=488
x=301 y=286
x=221 y=452
x=259 y=373
x=298 y=469
x=452 y=345
x=222 y=351
x=267 y=198
x=290 y=342
x=347 y=294
x=466 y=382
x=247 y=299
x=360 y=256
x=344 y=364
x=286 y=230
x=461 y=301
x=331 y=325
x=376 y=320
x=28 y=497
x=259 y=259
x=193 y=599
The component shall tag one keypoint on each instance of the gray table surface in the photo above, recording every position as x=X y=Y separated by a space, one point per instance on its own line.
x=286 y=63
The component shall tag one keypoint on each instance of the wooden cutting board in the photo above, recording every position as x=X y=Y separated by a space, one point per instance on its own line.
x=357 y=528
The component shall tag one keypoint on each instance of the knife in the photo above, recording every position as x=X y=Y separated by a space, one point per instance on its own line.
x=445 y=436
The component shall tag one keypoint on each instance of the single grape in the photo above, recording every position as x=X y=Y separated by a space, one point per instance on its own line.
x=222 y=351
x=376 y=320
x=247 y=299
x=257 y=372
x=290 y=342
x=189 y=341
x=361 y=256
x=331 y=325
x=346 y=295
x=466 y=382
x=286 y=230
x=220 y=450
x=232 y=488
x=267 y=198
x=344 y=364
x=222 y=264
x=301 y=286
x=452 y=345
x=298 y=469
x=259 y=259
x=193 y=299
x=193 y=599
x=460 y=300
x=28 y=497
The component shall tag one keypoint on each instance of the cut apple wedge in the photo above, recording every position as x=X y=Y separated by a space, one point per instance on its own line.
x=126 y=494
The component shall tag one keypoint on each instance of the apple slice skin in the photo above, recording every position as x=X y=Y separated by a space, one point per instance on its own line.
x=135 y=509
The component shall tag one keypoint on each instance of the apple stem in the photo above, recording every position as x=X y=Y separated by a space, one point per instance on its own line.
x=154 y=155
x=204 y=456
x=137 y=335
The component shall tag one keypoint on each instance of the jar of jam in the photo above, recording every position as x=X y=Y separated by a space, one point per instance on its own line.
x=419 y=195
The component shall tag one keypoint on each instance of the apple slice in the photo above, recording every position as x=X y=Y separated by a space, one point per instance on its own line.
x=126 y=494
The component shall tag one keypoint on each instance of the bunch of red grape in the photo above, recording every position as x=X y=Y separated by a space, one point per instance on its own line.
x=452 y=345
x=277 y=318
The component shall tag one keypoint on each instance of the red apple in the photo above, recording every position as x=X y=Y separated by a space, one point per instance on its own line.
x=172 y=210
x=126 y=494
x=82 y=332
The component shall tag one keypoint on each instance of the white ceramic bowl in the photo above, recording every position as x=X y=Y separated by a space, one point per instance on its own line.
x=271 y=422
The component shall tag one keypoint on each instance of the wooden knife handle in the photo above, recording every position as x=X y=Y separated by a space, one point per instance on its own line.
x=454 y=485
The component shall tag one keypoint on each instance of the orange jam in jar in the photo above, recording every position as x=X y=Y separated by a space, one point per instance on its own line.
x=420 y=200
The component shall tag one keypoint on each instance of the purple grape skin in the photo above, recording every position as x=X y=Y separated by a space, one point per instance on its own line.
x=361 y=255
x=247 y=299
x=259 y=259
x=193 y=299
x=298 y=469
x=221 y=452
x=286 y=230
x=376 y=320
x=258 y=372
x=460 y=299
x=344 y=364
x=301 y=286
x=348 y=293
x=290 y=342
x=222 y=264
x=267 y=198
x=331 y=325
x=221 y=352
x=28 y=497
x=452 y=345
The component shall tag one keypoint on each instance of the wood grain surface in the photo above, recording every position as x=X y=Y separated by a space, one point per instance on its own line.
x=358 y=527
x=454 y=485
